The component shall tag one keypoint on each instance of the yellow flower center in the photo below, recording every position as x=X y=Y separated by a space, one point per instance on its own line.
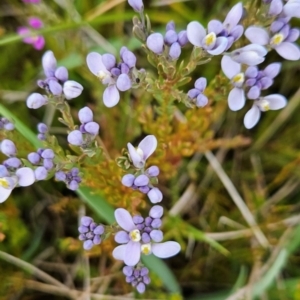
x=135 y=235
x=238 y=78
x=210 y=39
x=265 y=105
x=4 y=183
x=102 y=75
x=277 y=39
x=146 y=249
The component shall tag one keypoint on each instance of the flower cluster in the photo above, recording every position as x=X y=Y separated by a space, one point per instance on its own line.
x=119 y=77
x=137 y=276
x=88 y=129
x=56 y=84
x=172 y=42
x=71 y=178
x=90 y=232
x=43 y=130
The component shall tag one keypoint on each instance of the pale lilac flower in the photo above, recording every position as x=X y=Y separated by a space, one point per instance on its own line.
x=140 y=154
x=219 y=37
x=280 y=39
x=37 y=41
x=116 y=77
x=196 y=94
x=75 y=138
x=72 y=89
x=137 y=5
x=42 y=129
x=136 y=239
x=232 y=70
x=292 y=8
x=250 y=55
x=22 y=177
x=275 y=8
x=271 y=102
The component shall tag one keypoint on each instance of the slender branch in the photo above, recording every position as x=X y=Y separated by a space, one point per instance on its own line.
x=237 y=199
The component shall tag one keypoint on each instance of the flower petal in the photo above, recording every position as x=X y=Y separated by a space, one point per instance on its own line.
x=148 y=145
x=25 y=176
x=4 y=194
x=276 y=101
x=111 y=96
x=135 y=157
x=252 y=116
x=195 y=33
x=236 y=99
x=233 y=17
x=288 y=51
x=214 y=26
x=230 y=67
x=132 y=253
x=275 y=7
x=167 y=249
x=220 y=46
x=292 y=9
x=257 y=35
x=94 y=63
x=123 y=83
x=119 y=252
x=272 y=70
x=122 y=237
x=124 y=219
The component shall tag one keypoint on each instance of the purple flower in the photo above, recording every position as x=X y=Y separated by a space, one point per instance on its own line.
x=271 y=102
x=219 y=36
x=133 y=245
x=71 y=178
x=75 y=138
x=196 y=94
x=145 y=148
x=85 y=115
x=155 y=195
x=281 y=41
x=22 y=177
x=40 y=173
x=72 y=89
x=37 y=41
x=251 y=55
x=137 y=5
x=49 y=64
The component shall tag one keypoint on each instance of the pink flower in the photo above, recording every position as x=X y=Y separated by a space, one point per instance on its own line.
x=37 y=41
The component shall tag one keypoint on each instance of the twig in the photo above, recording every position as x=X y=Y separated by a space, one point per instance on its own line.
x=237 y=199
x=31 y=269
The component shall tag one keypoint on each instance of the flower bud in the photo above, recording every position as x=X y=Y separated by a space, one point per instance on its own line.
x=49 y=64
x=34 y=158
x=36 y=100
x=12 y=162
x=175 y=51
x=92 y=128
x=48 y=153
x=128 y=58
x=8 y=148
x=60 y=176
x=153 y=171
x=42 y=128
x=75 y=138
x=137 y=5
x=40 y=173
x=62 y=74
x=72 y=89
x=128 y=180
x=182 y=38
x=85 y=115
x=171 y=37
x=155 y=195
x=155 y=42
